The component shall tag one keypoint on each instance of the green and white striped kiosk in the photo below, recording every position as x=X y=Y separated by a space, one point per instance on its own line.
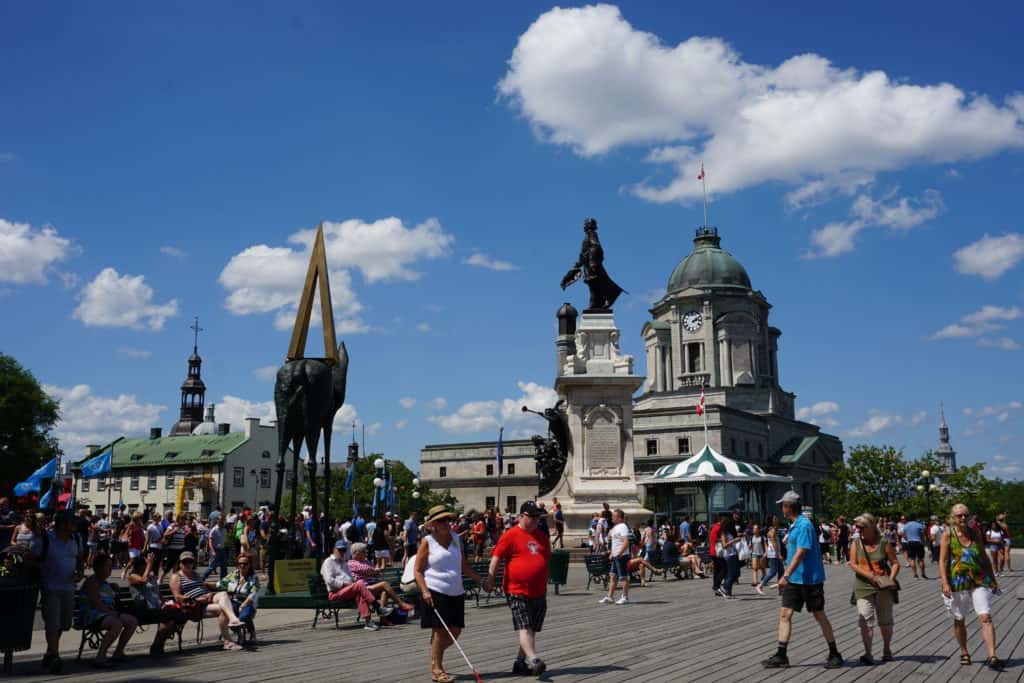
x=710 y=482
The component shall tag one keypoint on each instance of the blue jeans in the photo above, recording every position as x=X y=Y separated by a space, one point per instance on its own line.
x=732 y=577
x=220 y=558
x=774 y=569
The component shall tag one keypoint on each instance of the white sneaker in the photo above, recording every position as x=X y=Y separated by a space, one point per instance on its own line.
x=622 y=601
x=758 y=589
x=604 y=601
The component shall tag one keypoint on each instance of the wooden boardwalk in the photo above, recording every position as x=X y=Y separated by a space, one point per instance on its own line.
x=673 y=631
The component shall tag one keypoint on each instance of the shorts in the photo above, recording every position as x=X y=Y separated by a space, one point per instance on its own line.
x=452 y=609
x=876 y=607
x=58 y=608
x=915 y=550
x=979 y=599
x=134 y=552
x=796 y=595
x=171 y=556
x=527 y=613
x=103 y=546
x=620 y=566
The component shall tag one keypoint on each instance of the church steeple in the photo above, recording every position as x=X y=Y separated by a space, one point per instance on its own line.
x=945 y=452
x=193 y=391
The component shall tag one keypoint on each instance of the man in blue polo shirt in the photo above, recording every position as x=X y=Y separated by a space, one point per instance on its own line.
x=802 y=583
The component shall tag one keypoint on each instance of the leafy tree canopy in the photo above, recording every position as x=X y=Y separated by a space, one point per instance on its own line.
x=27 y=417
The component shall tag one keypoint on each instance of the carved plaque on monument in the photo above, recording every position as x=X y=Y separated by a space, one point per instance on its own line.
x=604 y=446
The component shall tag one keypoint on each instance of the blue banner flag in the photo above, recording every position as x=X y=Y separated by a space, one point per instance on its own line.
x=70 y=505
x=98 y=465
x=44 y=502
x=351 y=475
x=501 y=447
x=35 y=480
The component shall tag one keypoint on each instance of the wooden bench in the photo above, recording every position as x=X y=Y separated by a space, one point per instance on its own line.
x=92 y=633
x=321 y=606
x=474 y=590
x=598 y=567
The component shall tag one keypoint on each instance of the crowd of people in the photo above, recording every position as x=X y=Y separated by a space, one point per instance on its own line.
x=786 y=553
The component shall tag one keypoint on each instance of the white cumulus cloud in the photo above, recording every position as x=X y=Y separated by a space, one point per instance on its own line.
x=820 y=413
x=266 y=373
x=114 y=300
x=986 y=319
x=173 y=252
x=26 y=254
x=879 y=422
x=902 y=214
x=89 y=419
x=475 y=416
x=990 y=257
x=481 y=260
x=264 y=279
x=407 y=402
x=585 y=78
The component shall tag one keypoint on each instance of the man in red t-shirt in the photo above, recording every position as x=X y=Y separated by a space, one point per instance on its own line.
x=719 y=563
x=525 y=549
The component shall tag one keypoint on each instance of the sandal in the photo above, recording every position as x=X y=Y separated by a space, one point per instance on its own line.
x=232 y=646
x=965 y=659
x=995 y=663
x=442 y=677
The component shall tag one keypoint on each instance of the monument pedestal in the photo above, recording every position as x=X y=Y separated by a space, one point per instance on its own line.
x=597 y=383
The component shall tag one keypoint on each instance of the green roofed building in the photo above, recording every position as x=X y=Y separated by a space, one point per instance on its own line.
x=219 y=467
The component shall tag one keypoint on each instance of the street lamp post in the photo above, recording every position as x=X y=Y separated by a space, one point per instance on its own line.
x=256 y=493
x=925 y=487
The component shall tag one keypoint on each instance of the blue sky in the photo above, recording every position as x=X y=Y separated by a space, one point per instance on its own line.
x=159 y=163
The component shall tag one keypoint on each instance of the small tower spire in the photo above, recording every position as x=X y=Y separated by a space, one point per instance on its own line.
x=945 y=452
x=195 y=340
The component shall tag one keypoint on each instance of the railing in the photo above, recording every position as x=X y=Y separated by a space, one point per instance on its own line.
x=701 y=379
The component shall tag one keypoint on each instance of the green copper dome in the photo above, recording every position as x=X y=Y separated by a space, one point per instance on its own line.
x=708 y=265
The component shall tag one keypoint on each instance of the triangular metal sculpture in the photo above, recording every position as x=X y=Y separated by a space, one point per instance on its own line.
x=315 y=275
x=308 y=393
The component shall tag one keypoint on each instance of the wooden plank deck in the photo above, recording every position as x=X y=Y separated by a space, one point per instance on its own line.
x=673 y=631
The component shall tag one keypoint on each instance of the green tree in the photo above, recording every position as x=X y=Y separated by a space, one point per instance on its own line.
x=874 y=479
x=27 y=417
x=362 y=491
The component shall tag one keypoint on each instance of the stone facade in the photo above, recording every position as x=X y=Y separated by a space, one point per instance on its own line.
x=469 y=472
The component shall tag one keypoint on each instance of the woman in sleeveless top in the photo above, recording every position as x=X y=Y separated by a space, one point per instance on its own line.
x=26 y=531
x=967 y=583
x=994 y=541
x=872 y=559
x=146 y=601
x=102 y=610
x=440 y=566
x=772 y=539
x=195 y=597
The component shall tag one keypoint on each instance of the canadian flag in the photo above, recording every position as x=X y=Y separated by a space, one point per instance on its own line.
x=700 y=403
x=701 y=176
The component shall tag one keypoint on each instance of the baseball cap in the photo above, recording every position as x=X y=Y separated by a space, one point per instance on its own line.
x=187 y=555
x=530 y=508
x=789 y=497
x=340 y=545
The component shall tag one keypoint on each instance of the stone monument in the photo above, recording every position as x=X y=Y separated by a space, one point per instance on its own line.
x=596 y=381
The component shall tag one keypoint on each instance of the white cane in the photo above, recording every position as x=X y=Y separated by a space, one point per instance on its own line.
x=476 y=674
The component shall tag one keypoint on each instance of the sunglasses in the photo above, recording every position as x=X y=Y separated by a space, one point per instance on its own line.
x=960 y=514
x=188 y=561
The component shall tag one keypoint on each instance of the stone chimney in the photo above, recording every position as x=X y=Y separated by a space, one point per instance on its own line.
x=91 y=449
x=251 y=425
x=223 y=429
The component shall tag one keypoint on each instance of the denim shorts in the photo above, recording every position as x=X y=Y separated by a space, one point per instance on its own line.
x=620 y=566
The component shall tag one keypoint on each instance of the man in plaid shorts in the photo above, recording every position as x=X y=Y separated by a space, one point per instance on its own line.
x=525 y=550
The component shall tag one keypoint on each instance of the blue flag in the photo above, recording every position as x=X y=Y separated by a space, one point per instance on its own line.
x=70 y=505
x=501 y=447
x=97 y=465
x=355 y=508
x=35 y=480
x=351 y=474
x=44 y=502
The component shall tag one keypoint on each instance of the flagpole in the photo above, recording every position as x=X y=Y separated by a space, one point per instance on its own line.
x=704 y=185
x=705 y=414
x=501 y=459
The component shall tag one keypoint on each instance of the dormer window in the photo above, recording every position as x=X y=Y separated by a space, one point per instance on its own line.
x=170 y=455
x=137 y=456
x=207 y=452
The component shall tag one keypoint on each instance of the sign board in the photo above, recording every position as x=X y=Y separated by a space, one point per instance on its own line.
x=686 y=490
x=290 y=575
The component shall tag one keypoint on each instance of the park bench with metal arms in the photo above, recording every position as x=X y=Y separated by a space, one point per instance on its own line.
x=92 y=633
x=598 y=567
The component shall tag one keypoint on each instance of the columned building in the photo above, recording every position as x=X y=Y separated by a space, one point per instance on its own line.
x=711 y=333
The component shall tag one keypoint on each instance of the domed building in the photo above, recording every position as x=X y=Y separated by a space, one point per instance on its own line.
x=711 y=331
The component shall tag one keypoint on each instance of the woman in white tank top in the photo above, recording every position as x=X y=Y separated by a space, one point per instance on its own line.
x=440 y=566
